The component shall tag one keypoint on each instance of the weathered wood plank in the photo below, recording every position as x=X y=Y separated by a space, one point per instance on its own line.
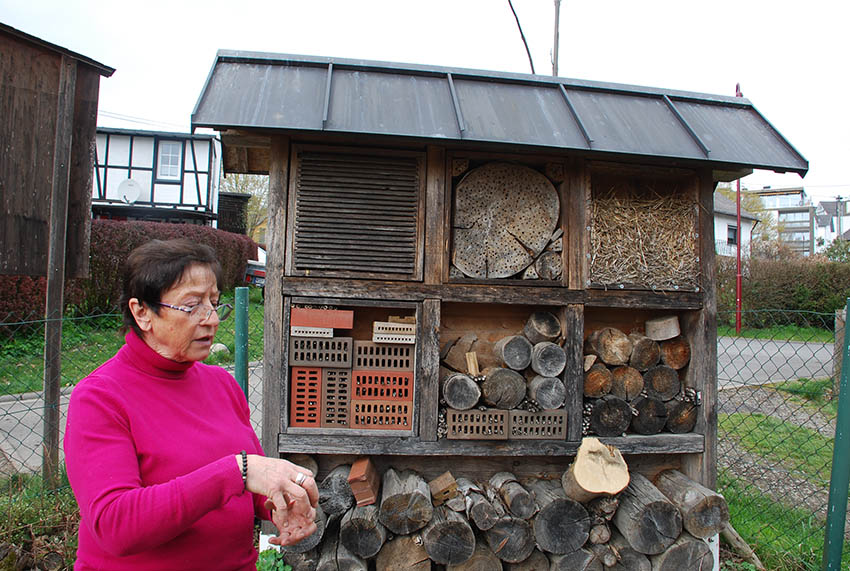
x=428 y=369
x=577 y=188
x=645 y=299
x=572 y=318
x=435 y=220
x=700 y=329
x=338 y=443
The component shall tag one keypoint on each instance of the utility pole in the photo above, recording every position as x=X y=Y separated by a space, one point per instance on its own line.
x=555 y=44
x=738 y=275
x=838 y=213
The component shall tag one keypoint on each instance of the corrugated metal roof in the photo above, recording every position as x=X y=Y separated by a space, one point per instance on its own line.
x=248 y=90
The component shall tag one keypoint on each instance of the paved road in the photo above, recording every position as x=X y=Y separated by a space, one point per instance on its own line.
x=739 y=362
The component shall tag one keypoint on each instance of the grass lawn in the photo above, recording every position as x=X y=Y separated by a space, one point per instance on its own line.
x=89 y=341
x=781 y=332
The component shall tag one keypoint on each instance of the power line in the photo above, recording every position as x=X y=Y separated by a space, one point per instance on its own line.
x=140 y=120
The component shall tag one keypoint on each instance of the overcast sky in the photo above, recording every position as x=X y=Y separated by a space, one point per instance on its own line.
x=791 y=58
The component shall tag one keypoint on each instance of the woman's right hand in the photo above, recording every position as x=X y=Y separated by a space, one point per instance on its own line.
x=293 y=505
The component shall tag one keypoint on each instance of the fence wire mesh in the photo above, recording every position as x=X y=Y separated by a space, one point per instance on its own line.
x=776 y=422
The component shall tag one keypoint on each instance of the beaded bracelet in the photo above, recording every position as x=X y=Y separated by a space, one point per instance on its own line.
x=244 y=470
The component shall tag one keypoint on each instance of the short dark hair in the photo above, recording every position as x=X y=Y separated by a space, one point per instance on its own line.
x=155 y=267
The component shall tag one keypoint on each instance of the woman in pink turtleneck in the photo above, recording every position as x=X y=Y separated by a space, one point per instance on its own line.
x=154 y=439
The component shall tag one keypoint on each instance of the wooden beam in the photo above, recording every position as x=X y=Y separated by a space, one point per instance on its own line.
x=428 y=369
x=576 y=239
x=276 y=316
x=63 y=138
x=572 y=319
x=435 y=220
x=700 y=328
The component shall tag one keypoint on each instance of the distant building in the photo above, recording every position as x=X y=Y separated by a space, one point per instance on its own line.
x=794 y=215
x=833 y=220
x=156 y=176
x=726 y=231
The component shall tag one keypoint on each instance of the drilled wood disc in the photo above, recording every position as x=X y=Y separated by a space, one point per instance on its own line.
x=505 y=215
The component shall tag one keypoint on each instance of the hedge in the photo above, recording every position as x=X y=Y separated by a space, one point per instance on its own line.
x=22 y=297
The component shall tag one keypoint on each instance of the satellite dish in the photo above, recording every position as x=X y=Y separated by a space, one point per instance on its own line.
x=129 y=190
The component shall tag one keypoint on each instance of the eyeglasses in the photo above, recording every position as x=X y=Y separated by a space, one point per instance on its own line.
x=202 y=312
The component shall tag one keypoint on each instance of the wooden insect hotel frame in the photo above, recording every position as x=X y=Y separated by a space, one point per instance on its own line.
x=469 y=272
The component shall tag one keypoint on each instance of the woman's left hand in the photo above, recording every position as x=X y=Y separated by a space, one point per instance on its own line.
x=292 y=504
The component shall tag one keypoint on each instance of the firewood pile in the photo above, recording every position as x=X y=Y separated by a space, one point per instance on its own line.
x=510 y=389
x=598 y=516
x=632 y=382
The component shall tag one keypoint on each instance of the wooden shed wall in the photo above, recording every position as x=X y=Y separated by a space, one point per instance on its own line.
x=31 y=80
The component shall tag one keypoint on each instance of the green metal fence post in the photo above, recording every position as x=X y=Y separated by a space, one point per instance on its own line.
x=840 y=478
x=241 y=338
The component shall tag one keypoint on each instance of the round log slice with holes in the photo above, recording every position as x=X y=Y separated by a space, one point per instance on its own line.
x=646 y=518
x=548 y=392
x=610 y=416
x=511 y=539
x=561 y=524
x=460 y=391
x=504 y=215
x=515 y=351
x=503 y=388
x=645 y=352
x=676 y=352
x=597 y=381
x=611 y=345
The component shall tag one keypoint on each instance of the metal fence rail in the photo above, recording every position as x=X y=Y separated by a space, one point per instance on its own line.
x=776 y=417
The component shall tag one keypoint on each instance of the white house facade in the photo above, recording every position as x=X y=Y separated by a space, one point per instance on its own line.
x=157 y=176
x=726 y=230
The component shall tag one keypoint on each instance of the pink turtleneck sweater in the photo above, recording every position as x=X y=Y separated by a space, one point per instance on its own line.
x=149 y=448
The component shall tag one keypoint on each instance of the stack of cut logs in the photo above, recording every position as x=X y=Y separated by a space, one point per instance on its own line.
x=518 y=372
x=632 y=382
x=598 y=516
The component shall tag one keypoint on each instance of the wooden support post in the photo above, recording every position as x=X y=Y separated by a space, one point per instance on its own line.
x=56 y=267
x=572 y=318
x=428 y=372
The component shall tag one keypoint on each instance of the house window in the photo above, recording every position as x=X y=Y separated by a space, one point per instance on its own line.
x=732 y=235
x=168 y=160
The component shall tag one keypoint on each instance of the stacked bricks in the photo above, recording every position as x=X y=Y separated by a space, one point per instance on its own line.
x=382 y=386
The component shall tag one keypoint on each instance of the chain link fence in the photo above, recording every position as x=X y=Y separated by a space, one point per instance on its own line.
x=776 y=422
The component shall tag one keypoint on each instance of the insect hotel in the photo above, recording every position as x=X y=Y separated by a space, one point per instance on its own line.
x=490 y=318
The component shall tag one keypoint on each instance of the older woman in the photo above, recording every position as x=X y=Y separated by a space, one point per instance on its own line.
x=160 y=451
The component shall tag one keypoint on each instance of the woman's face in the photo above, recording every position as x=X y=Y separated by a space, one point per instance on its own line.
x=175 y=334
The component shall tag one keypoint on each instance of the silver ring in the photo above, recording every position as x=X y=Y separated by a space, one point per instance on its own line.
x=299 y=479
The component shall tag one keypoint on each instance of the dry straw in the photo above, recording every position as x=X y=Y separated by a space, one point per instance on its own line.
x=644 y=242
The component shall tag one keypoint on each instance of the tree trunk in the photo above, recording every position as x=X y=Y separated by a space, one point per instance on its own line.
x=629 y=559
x=651 y=416
x=405 y=502
x=548 y=359
x=335 y=496
x=597 y=381
x=579 y=560
x=597 y=469
x=647 y=519
x=537 y=561
x=542 y=326
x=503 y=388
x=460 y=392
x=404 y=553
x=610 y=416
x=687 y=552
x=662 y=382
x=611 y=345
x=515 y=497
x=479 y=509
x=548 y=392
x=676 y=352
x=313 y=539
x=561 y=524
x=515 y=351
x=626 y=383
x=704 y=512
x=483 y=559
x=681 y=416
x=645 y=352
x=511 y=539
x=361 y=532
x=448 y=538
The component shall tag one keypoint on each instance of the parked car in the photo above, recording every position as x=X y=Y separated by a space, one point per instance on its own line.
x=255 y=271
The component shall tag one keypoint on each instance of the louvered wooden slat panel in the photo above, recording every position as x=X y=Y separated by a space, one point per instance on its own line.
x=357 y=213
